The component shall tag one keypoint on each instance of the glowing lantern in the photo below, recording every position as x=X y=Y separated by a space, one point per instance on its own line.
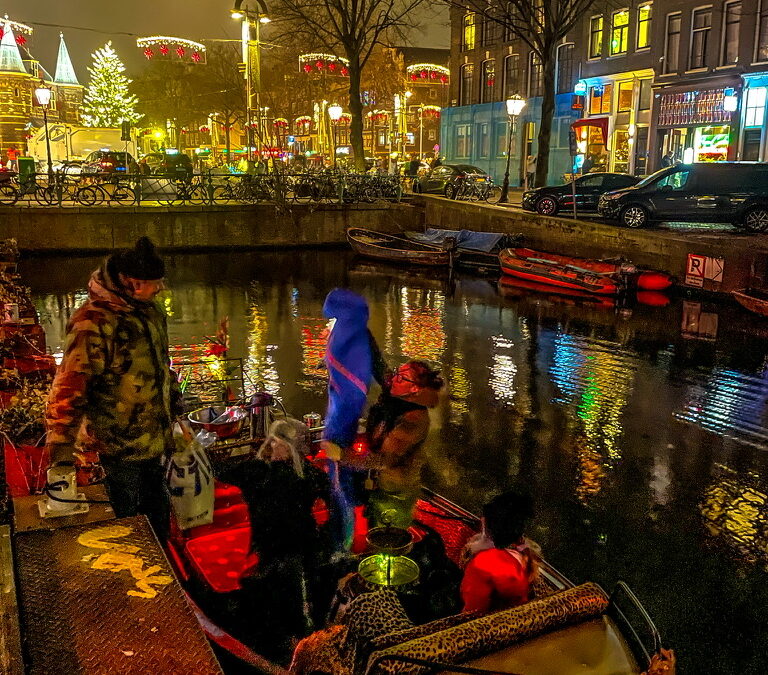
x=148 y=53
x=195 y=56
x=332 y=67
x=20 y=39
x=344 y=71
x=423 y=74
x=443 y=78
x=319 y=65
x=180 y=51
x=164 y=50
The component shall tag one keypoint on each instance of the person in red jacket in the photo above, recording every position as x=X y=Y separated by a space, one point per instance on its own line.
x=500 y=576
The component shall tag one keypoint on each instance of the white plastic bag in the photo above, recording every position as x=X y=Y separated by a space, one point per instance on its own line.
x=190 y=479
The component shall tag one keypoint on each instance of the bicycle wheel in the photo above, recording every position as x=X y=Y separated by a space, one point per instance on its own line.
x=46 y=196
x=90 y=195
x=9 y=195
x=221 y=194
x=123 y=195
x=197 y=195
x=493 y=194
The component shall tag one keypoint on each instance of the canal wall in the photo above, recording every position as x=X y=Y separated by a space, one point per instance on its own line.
x=96 y=229
x=722 y=261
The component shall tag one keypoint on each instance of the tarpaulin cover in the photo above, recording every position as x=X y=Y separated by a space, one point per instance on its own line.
x=468 y=239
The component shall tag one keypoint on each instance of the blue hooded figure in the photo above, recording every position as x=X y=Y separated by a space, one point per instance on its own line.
x=350 y=360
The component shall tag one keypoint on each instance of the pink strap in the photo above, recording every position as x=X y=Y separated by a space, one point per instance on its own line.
x=354 y=379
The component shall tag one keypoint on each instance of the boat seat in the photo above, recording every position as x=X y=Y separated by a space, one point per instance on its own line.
x=595 y=647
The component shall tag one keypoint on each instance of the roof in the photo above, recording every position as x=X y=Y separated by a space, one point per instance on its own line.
x=412 y=55
x=10 y=57
x=65 y=72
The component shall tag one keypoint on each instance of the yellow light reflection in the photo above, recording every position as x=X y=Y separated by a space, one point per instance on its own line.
x=422 y=315
x=260 y=363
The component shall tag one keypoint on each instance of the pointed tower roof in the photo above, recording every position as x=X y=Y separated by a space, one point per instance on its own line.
x=65 y=73
x=10 y=58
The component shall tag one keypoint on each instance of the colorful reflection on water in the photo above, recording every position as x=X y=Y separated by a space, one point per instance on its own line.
x=642 y=439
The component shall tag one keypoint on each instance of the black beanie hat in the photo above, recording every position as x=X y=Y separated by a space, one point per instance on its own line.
x=140 y=262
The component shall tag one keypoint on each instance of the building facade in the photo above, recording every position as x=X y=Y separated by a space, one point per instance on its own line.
x=637 y=81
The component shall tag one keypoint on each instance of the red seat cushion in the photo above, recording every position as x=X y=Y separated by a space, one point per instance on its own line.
x=222 y=558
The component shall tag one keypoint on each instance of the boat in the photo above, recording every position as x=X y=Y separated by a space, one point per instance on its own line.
x=754 y=300
x=391 y=248
x=478 y=250
x=515 y=288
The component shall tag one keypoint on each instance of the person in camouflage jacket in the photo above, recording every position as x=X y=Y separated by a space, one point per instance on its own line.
x=114 y=391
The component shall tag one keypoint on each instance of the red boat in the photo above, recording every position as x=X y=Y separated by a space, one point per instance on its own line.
x=578 y=273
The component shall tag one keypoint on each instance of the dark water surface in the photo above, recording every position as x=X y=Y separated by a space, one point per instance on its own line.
x=642 y=432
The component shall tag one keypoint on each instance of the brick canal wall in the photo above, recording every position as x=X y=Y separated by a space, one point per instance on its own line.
x=744 y=256
x=81 y=230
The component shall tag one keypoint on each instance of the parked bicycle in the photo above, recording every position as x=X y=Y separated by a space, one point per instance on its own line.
x=476 y=187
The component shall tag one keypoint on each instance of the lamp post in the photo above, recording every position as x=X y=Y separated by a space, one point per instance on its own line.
x=252 y=75
x=43 y=96
x=515 y=106
x=334 y=112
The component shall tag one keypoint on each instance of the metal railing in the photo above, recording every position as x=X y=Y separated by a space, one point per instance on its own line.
x=121 y=189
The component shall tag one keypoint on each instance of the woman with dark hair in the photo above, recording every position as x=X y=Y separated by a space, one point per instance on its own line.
x=500 y=577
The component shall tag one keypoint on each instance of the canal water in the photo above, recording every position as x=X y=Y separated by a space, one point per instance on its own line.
x=642 y=431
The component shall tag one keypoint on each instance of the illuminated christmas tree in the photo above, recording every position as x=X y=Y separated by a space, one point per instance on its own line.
x=107 y=102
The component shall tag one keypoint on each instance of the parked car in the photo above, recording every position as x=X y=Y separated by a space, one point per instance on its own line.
x=177 y=164
x=444 y=179
x=549 y=200
x=109 y=161
x=722 y=192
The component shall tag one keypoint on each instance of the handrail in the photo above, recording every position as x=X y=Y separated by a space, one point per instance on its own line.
x=622 y=586
x=434 y=666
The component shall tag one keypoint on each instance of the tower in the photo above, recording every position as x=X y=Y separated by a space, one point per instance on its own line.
x=15 y=94
x=70 y=91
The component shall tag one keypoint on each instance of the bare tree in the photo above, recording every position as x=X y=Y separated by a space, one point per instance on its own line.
x=353 y=27
x=541 y=25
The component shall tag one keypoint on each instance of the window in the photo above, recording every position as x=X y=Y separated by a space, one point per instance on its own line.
x=644 y=27
x=565 y=69
x=463 y=140
x=468 y=33
x=535 y=75
x=751 y=150
x=624 y=98
x=676 y=180
x=485 y=141
x=511 y=75
x=672 y=46
x=619 y=32
x=488 y=82
x=596 y=37
x=754 y=113
x=731 y=19
x=701 y=24
x=502 y=128
x=761 y=53
x=465 y=84
x=590 y=181
x=644 y=99
x=600 y=99
x=490 y=32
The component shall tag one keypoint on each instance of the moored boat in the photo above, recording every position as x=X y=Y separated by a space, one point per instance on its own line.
x=389 y=247
x=478 y=250
x=752 y=299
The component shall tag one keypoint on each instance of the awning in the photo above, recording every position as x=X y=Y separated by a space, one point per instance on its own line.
x=599 y=122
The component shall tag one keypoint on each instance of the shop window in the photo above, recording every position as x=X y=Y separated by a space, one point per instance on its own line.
x=644 y=27
x=488 y=82
x=731 y=17
x=701 y=25
x=468 y=32
x=565 y=69
x=465 y=84
x=511 y=75
x=754 y=107
x=485 y=141
x=644 y=98
x=619 y=32
x=672 y=44
x=463 y=140
x=751 y=149
x=710 y=144
x=596 y=37
x=620 y=154
x=761 y=51
x=535 y=75
x=624 y=98
x=600 y=99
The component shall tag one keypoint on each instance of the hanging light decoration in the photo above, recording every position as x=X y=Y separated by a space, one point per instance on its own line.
x=280 y=123
x=425 y=72
x=179 y=47
x=431 y=112
x=303 y=124
x=319 y=62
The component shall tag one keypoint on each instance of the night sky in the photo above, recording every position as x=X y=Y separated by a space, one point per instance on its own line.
x=88 y=24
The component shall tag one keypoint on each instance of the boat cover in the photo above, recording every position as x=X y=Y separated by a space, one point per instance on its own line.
x=467 y=239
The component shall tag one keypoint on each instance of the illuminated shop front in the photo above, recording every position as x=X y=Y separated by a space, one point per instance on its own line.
x=697 y=126
x=754 y=114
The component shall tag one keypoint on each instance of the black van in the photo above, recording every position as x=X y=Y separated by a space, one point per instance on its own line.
x=722 y=192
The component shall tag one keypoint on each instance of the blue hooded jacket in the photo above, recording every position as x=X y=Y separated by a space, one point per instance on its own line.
x=349 y=360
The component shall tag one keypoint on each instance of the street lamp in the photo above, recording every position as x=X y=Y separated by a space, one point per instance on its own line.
x=515 y=106
x=334 y=112
x=43 y=96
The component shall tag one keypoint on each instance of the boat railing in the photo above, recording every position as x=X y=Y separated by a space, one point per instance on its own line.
x=433 y=666
x=622 y=603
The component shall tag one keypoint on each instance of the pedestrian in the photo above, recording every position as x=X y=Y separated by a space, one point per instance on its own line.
x=589 y=163
x=398 y=425
x=530 y=170
x=13 y=158
x=114 y=391
x=438 y=162
x=668 y=159
x=413 y=167
x=354 y=363
x=144 y=168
